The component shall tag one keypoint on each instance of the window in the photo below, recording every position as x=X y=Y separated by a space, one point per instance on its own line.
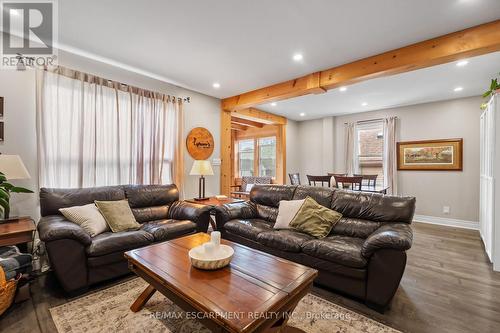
x=257 y=157
x=246 y=154
x=370 y=148
x=267 y=157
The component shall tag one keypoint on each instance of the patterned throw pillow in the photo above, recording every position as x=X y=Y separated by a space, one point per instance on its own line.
x=315 y=219
x=88 y=217
x=118 y=215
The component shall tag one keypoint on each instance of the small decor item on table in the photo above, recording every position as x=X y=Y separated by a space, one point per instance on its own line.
x=211 y=255
x=201 y=168
x=436 y=155
x=11 y=168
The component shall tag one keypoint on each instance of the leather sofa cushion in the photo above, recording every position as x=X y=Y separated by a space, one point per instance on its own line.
x=147 y=214
x=267 y=213
x=284 y=240
x=151 y=195
x=374 y=206
x=353 y=227
x=248 y=228
x=321 y=195
x=163 y=230
x=271 y=195
x=110 y=242
x=51 y=199
x=339 y=249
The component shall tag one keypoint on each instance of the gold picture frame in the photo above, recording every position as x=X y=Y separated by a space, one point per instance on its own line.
x=431 y=155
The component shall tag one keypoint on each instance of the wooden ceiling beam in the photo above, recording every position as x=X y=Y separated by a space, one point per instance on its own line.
x=470 y=42
x=238 y=127
x=246 y=122
x=259 y=115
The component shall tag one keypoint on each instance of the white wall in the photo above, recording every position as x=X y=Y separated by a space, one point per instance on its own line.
x=433 y=189
x=18 y=88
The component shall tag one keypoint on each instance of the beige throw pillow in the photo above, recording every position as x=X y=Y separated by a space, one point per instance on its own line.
x=118 y=215
x=286 y=212
x=315 y=219
x=88 y=217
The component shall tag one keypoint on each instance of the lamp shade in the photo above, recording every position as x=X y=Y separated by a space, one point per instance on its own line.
x=202 y=168
x=13 y=167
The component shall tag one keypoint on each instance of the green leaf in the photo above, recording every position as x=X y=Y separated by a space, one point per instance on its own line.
x=7 y=186
x=487 y=94
x=4 y=194
x=494 y=84
x=16 y=189
x=5 y=206
x=2 y=177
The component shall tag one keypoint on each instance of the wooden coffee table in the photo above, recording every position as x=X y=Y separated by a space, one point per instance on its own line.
x=255 y=293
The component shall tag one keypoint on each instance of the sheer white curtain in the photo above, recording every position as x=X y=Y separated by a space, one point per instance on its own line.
x=389 y=155
x=94 y=132
x=351 y=149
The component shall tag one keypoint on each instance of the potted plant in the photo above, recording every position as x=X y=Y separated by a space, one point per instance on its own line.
x=5 y=190
x=494 y=88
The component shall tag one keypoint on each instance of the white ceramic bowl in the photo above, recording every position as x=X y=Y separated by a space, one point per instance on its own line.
x=219 y=259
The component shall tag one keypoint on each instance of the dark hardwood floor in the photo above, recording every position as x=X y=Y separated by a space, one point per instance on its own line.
x=448 y=286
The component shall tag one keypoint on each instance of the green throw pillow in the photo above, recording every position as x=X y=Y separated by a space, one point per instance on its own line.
x=118 y=215
x=315 y=219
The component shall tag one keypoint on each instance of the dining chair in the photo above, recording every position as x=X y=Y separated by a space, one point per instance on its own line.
x=372 y=179
x=294 y=178
x=313 y=180
x=354 y=182
x=246 y=185
x=332 y=174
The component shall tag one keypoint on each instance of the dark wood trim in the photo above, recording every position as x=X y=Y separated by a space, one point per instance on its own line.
x=460 y=150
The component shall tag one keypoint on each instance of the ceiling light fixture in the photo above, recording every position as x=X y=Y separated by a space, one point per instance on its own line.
x=364 y=104
x=274 y=104
x=457 y=89
x=302 y=114
x=462 y=63
x=298 y=57
x=343 y=88
x=216 y=85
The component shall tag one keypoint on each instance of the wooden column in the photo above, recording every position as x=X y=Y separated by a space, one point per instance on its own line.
x=226 y=153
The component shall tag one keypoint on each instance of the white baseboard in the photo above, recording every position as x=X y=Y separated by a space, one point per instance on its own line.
x=447 y=222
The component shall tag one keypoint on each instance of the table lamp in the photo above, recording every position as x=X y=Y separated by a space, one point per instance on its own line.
x=11 y=168
x=201 y=168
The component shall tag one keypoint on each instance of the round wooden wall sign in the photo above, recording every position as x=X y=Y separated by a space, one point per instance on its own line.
x=200 y=143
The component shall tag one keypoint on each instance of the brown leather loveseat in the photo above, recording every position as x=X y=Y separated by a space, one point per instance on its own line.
x=364 y=256
x=80 y=260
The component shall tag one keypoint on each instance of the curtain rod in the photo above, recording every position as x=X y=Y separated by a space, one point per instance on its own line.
x=78 y=75
x=369 y=120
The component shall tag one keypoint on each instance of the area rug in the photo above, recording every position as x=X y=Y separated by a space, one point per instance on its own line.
x=108 y=311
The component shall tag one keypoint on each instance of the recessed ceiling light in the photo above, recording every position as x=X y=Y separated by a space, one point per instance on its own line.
x=462 y=63
x=274 y=104
x=302 y=114
x=458 y=89
x=343 y=88
x=216 y=85
x=298 y=57
x=364 y=104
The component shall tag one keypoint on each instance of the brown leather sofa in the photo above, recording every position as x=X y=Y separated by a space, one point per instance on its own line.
x=79 y=260
x=364 y=255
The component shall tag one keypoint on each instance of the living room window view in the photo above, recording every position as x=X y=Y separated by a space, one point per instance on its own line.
x=331 y=166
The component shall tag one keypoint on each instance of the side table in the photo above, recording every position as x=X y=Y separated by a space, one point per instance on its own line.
x=16 y=231
x=214 y=202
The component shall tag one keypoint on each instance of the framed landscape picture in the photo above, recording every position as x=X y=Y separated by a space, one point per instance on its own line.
x=438 y=155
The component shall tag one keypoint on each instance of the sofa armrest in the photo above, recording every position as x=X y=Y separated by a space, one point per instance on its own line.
x=237 y=210
x=396 y=236
x=56 y=227
x=183 y=210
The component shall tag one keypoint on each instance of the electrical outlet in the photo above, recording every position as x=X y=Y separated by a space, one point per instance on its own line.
x=446 y=209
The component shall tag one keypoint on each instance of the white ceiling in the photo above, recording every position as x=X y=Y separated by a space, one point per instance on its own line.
x=425 y=85
x=244 y=44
